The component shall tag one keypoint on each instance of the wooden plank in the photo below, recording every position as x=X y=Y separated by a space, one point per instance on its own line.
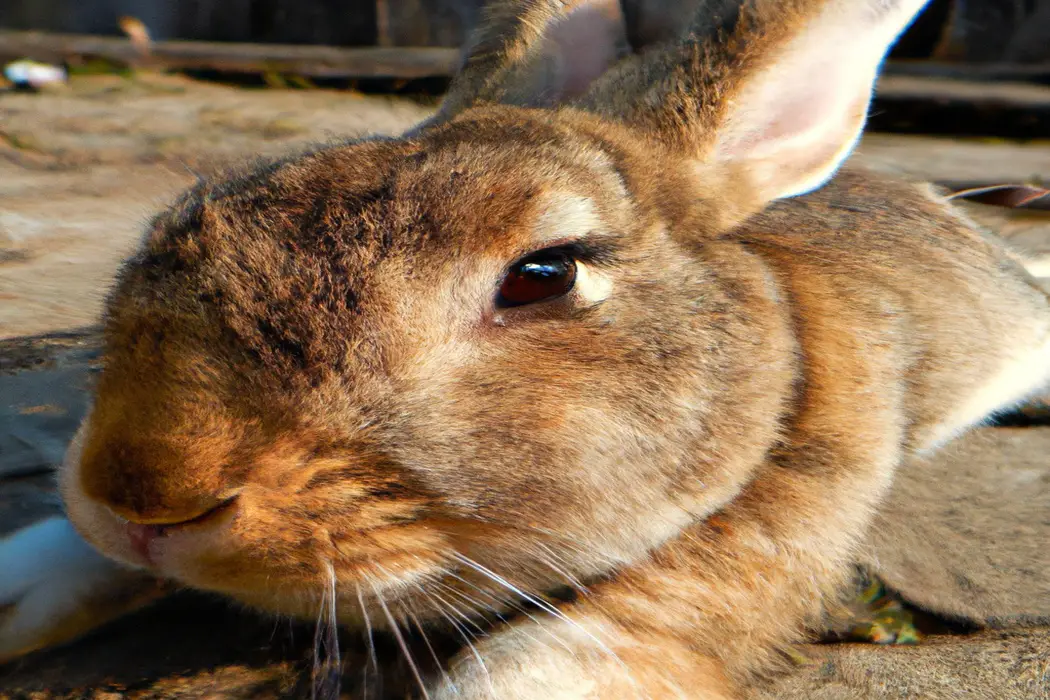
x=310 y=61
x=911 y=104
x=956 y=160
x=903 y=77
x=1008 y=93
x=969 y=71
x=319 y=22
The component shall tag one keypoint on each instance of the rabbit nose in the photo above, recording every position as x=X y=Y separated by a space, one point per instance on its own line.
x=165 y=518
x=153 y=480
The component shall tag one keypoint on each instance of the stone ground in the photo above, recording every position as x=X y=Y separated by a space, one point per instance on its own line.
x=82 y=169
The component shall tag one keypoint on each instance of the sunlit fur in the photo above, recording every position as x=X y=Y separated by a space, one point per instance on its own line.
x=700 y=446
x=342 y=372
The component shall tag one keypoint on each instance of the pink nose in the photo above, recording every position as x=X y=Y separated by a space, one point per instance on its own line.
x=142 y=536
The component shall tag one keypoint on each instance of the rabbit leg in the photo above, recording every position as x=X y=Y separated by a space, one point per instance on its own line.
x=582 y=656
x=54 y=588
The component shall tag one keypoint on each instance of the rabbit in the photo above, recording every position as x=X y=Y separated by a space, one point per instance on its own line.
x=620 y=323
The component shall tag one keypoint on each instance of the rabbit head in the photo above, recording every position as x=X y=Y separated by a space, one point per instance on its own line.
x=496 y=352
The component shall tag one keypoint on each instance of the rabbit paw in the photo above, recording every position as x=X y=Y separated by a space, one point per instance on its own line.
x=572 y=659
x=54 y=587
x=515 y=664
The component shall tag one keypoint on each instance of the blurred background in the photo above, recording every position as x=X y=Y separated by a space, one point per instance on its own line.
x=408 y=46
x=979 y=31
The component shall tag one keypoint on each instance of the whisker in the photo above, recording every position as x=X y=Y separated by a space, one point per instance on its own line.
x=401 y=642
x=441 y=611
x=454 y=608
x=539 y=602
x=536 y=600
x=276 y=623
x=570 y=542
x=463 y=633
x=545 y=606
x=327 y=673
x=552 y=560
x=433 y=654
x=474 y=605
x=561 y=642
x=373 y=660
x=579 y=546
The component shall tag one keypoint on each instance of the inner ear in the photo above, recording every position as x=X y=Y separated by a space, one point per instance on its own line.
x=536 y=53
x=648 y=22
x=795 y=106
x=580 y=47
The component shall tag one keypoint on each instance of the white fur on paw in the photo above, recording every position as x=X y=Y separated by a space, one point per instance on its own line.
x=1038 y=266
x=47 y=575
x=544 y=659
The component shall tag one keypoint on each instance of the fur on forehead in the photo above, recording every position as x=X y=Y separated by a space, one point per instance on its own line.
x=296 y=259
x=453 y=186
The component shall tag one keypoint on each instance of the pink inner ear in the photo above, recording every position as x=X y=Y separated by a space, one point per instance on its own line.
x=586 y=43
x=807 y=95
x=794 y=121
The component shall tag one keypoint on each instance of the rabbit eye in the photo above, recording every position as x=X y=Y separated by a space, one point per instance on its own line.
x=541 y=276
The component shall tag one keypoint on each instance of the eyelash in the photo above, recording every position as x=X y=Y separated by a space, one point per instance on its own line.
x=596 y=253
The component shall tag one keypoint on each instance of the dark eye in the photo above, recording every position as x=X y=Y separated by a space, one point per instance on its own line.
x=538 y=277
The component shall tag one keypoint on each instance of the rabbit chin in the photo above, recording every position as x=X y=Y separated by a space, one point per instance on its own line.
x=261 y=559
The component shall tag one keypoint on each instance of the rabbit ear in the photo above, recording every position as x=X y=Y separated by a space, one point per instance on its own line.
x=536 y=53
x=775 y=99
x=796 y=115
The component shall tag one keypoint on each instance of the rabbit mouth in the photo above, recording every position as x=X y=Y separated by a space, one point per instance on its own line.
x=145 y=537
x=154 y=544
x=264 y=549
x=249 y=548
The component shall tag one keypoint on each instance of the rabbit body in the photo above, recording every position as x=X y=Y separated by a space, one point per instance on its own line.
x=889 y=362
x=314 y=388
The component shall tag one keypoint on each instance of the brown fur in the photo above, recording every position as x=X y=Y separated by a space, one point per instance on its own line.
x=306 y=362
